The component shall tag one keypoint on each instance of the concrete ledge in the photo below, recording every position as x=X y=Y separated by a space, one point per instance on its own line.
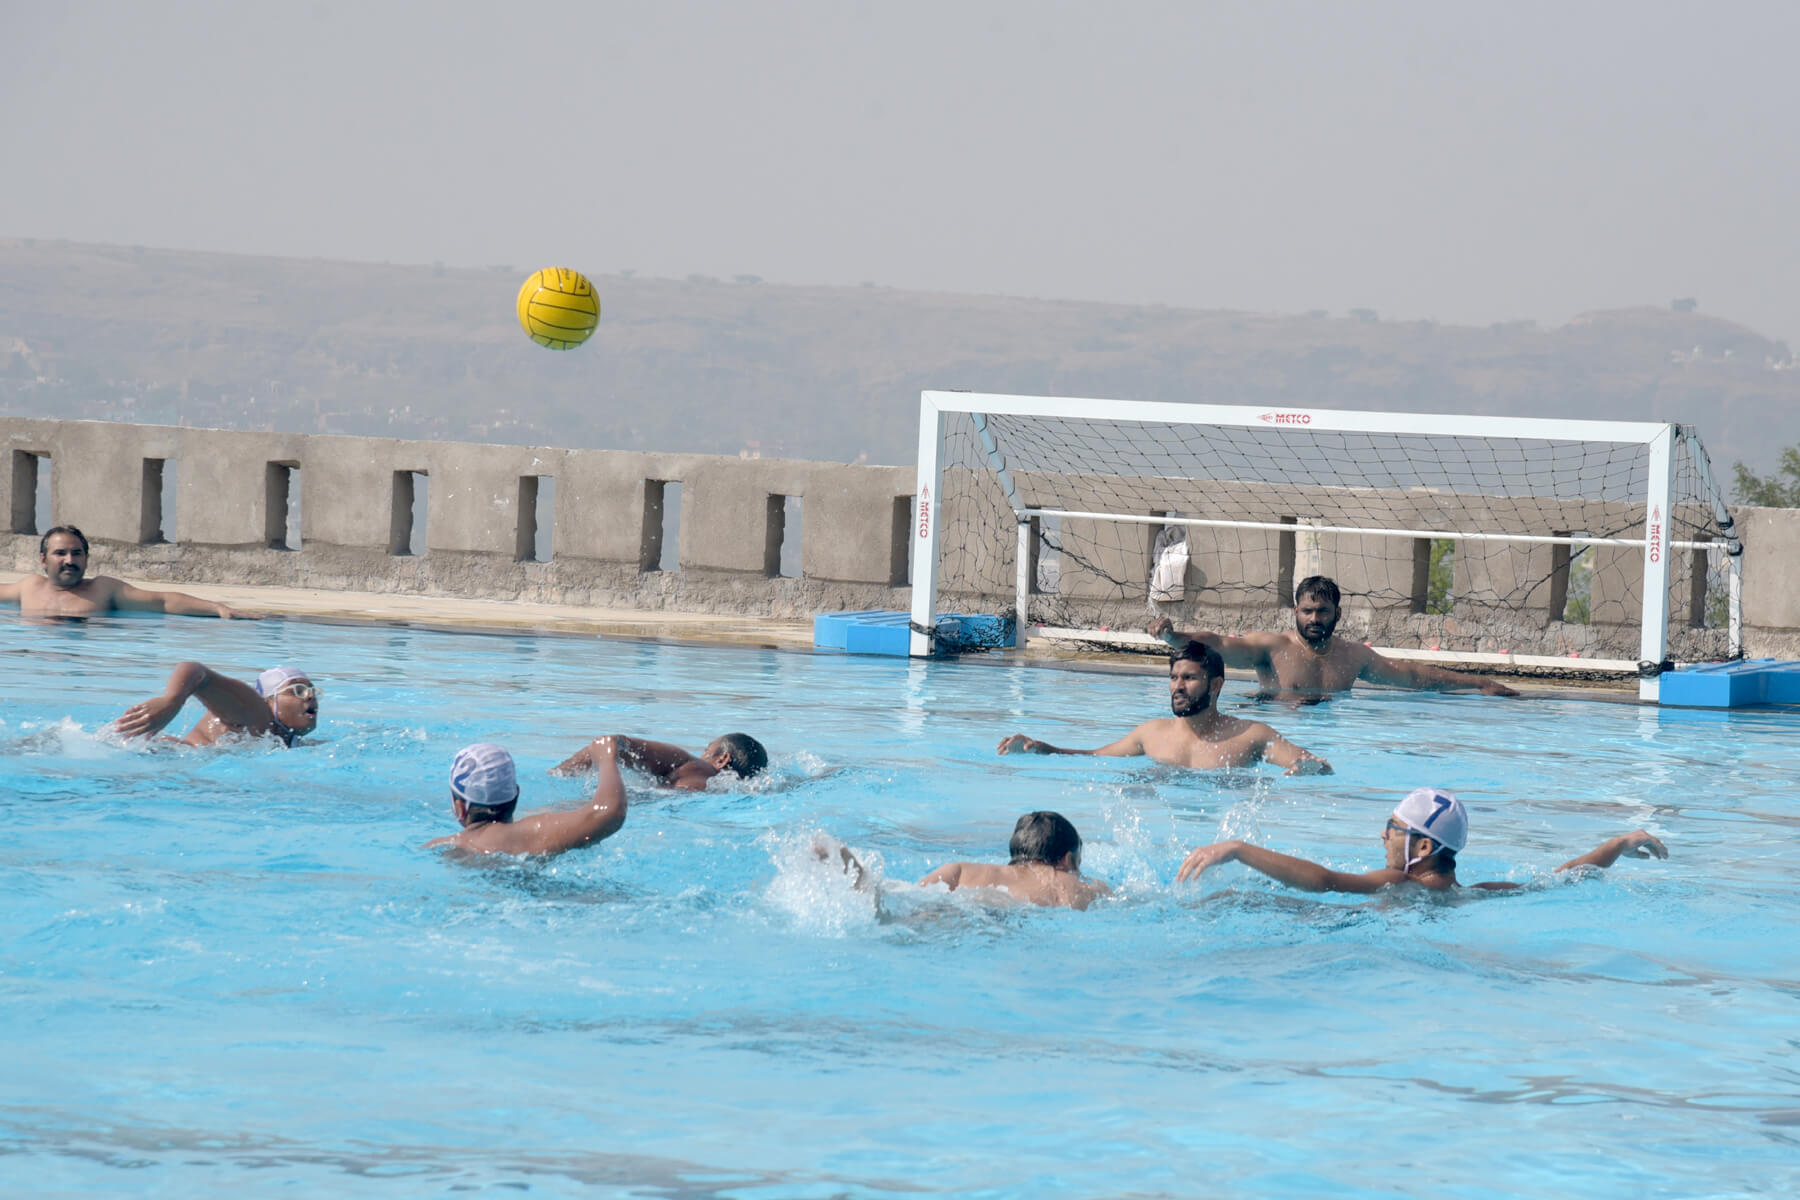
x=515 y=616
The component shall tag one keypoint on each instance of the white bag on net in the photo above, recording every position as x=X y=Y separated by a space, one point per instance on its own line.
x=1168 y=564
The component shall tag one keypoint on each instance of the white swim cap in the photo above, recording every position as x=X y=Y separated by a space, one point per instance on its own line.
x=483 y=774
x=274 y=679
x=1436 y=814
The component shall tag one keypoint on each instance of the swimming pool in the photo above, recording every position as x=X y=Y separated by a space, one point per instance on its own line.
x=236 y=972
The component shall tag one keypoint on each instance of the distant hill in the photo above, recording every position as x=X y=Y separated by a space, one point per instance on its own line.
x=742 y=366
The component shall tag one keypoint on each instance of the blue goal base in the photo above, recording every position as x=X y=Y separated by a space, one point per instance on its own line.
x=883 y=631
x=1732 y=684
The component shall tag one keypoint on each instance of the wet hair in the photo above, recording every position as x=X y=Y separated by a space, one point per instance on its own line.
x=744 y=754
x=1320 y=586
x=1198 y=651
x=44 y=542
x=500 y=813
x=1443 y=857
x=1044 y=837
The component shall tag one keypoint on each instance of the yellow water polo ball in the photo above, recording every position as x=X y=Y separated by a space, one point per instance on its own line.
x=558 y=308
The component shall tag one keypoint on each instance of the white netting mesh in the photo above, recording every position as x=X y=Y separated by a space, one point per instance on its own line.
x=1322 y=495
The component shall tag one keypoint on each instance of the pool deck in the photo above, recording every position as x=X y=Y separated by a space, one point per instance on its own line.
x=503 y=616
x=448 y=612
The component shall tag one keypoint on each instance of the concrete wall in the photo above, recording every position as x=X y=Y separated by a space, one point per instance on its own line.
x=608 y=522
x=354 y=518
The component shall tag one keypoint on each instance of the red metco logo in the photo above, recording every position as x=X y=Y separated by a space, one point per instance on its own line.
x=1287 y=418
x=1656 y=534
x=924 y=512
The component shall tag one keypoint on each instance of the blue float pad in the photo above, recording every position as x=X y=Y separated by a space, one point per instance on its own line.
x=883 y=631
x=832 y=630
x=1732 y=684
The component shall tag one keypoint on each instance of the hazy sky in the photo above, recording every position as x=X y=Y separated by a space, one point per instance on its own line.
x=1462 y=162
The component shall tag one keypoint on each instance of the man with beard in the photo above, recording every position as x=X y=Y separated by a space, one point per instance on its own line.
x=1198 y=735
x=1310 y=663
x=64 y=590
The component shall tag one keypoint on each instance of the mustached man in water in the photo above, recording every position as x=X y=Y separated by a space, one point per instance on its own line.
x=1045 y=867
x=1310 y=663
x=283 y=704
x=674 y=767
x=65 y=590
x=1421 y=840
x=1198 y=735
x=484 y=791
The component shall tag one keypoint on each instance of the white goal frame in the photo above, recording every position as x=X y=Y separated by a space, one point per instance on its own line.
x=1658 y=437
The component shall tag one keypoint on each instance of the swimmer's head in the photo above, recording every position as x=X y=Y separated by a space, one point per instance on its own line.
x=1430 y=822
x=739 y=751
x=1317 y=607
x=63 y=553
x=292 y=697
x=484 y=785
x=1195 y=673
x=1048 y=838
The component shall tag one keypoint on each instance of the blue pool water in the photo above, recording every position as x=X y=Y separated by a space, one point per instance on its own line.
x=236 y=972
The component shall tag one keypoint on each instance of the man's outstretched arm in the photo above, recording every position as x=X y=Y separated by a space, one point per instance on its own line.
x=595 y=821
x=1395 y=673
x=180 y=604
x=233 y=701
x=659 y=759
x=1129 y=746
x=1248 y=652
x=1285 y=868
x=1293 y=759
x=1637 y=843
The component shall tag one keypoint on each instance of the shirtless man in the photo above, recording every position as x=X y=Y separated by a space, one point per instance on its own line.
x=1310 y=663
x=64 y=590
x=1198 y=735
x=1421 y=840
x=1045 y=866
x=284 y=705
x=675 y=767
x=484 y=790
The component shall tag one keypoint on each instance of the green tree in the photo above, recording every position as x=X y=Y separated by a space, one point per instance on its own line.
x=1780 y=490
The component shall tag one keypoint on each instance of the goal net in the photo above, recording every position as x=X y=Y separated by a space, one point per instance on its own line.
x=1549 y=545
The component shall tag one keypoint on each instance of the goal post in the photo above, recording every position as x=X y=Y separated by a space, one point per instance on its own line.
x=1590 y=545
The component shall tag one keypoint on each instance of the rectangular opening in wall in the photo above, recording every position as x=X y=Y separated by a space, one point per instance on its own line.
x=1421 y=576
x=171 y=491
x=544 y=546
x=1578 y=582
x=665 y=554
x=650 y=529
x=1698 y=560
x=774 y=530
x=1440 y=585
x=43 y=501
x=150 y=503
x=400 y=515
x=900 y=548
x=1046 y=548
x=281 y=501
x=24 y=492
x=781 y=554
x=525 y=529
x=1558 y=601
x=418 y=534
x=1285 y=553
